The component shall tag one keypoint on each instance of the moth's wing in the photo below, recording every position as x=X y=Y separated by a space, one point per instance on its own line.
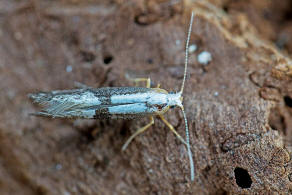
x=126 y=111
x=67 y=103
x=123 y=111
x=90 y=103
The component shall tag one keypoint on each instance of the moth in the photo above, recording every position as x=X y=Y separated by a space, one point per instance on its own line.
x=118 y=103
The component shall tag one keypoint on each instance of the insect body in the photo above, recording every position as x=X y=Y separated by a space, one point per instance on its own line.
x=117 y=102
x=106 y=103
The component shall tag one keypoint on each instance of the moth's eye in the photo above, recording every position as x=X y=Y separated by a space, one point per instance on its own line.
x=172 y=107
x=160 y=107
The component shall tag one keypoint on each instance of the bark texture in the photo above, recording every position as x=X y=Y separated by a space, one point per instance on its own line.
x=239 y=106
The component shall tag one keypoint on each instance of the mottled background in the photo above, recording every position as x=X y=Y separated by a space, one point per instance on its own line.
x=239 y=106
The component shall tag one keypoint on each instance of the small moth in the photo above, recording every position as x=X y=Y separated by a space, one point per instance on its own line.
x=118 y=103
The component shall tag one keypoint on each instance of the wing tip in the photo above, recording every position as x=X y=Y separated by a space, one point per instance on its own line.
x=40 y=98
x=41 y=114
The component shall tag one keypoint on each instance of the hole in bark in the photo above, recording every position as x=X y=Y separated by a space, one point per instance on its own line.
x=124 y=129
x=242 y=177
x=141 y=19
x=144 y=19
x=226 y=8
x=87 y=56
x=150 y=61
x=288 y=15
x=288 y=101
x=101 y=163
x=288 y=12
x=71 y=38
x=107 y=59
x=224 y=192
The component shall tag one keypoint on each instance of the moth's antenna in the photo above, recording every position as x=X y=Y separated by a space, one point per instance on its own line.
x=182 y=108
x=188 y=146
x=187 y=52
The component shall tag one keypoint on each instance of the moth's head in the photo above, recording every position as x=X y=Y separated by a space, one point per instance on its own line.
x=174 y=99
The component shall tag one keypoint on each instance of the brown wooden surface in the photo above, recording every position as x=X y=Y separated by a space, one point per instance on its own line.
x=238 y=106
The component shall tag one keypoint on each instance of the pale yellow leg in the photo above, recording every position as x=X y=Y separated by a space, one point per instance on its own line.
x=172 y=129
x=139 y=131
x=147 y=80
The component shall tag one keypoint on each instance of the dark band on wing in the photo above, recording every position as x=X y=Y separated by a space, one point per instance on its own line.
x=103 y=113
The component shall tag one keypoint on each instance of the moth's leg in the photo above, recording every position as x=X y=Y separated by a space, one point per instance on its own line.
x=158 y=85
x=139 y=131
x=172 y=129
x=147 y=80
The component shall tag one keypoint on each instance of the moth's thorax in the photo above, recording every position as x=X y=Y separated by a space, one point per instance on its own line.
x=164 y=99
x=174 y=99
